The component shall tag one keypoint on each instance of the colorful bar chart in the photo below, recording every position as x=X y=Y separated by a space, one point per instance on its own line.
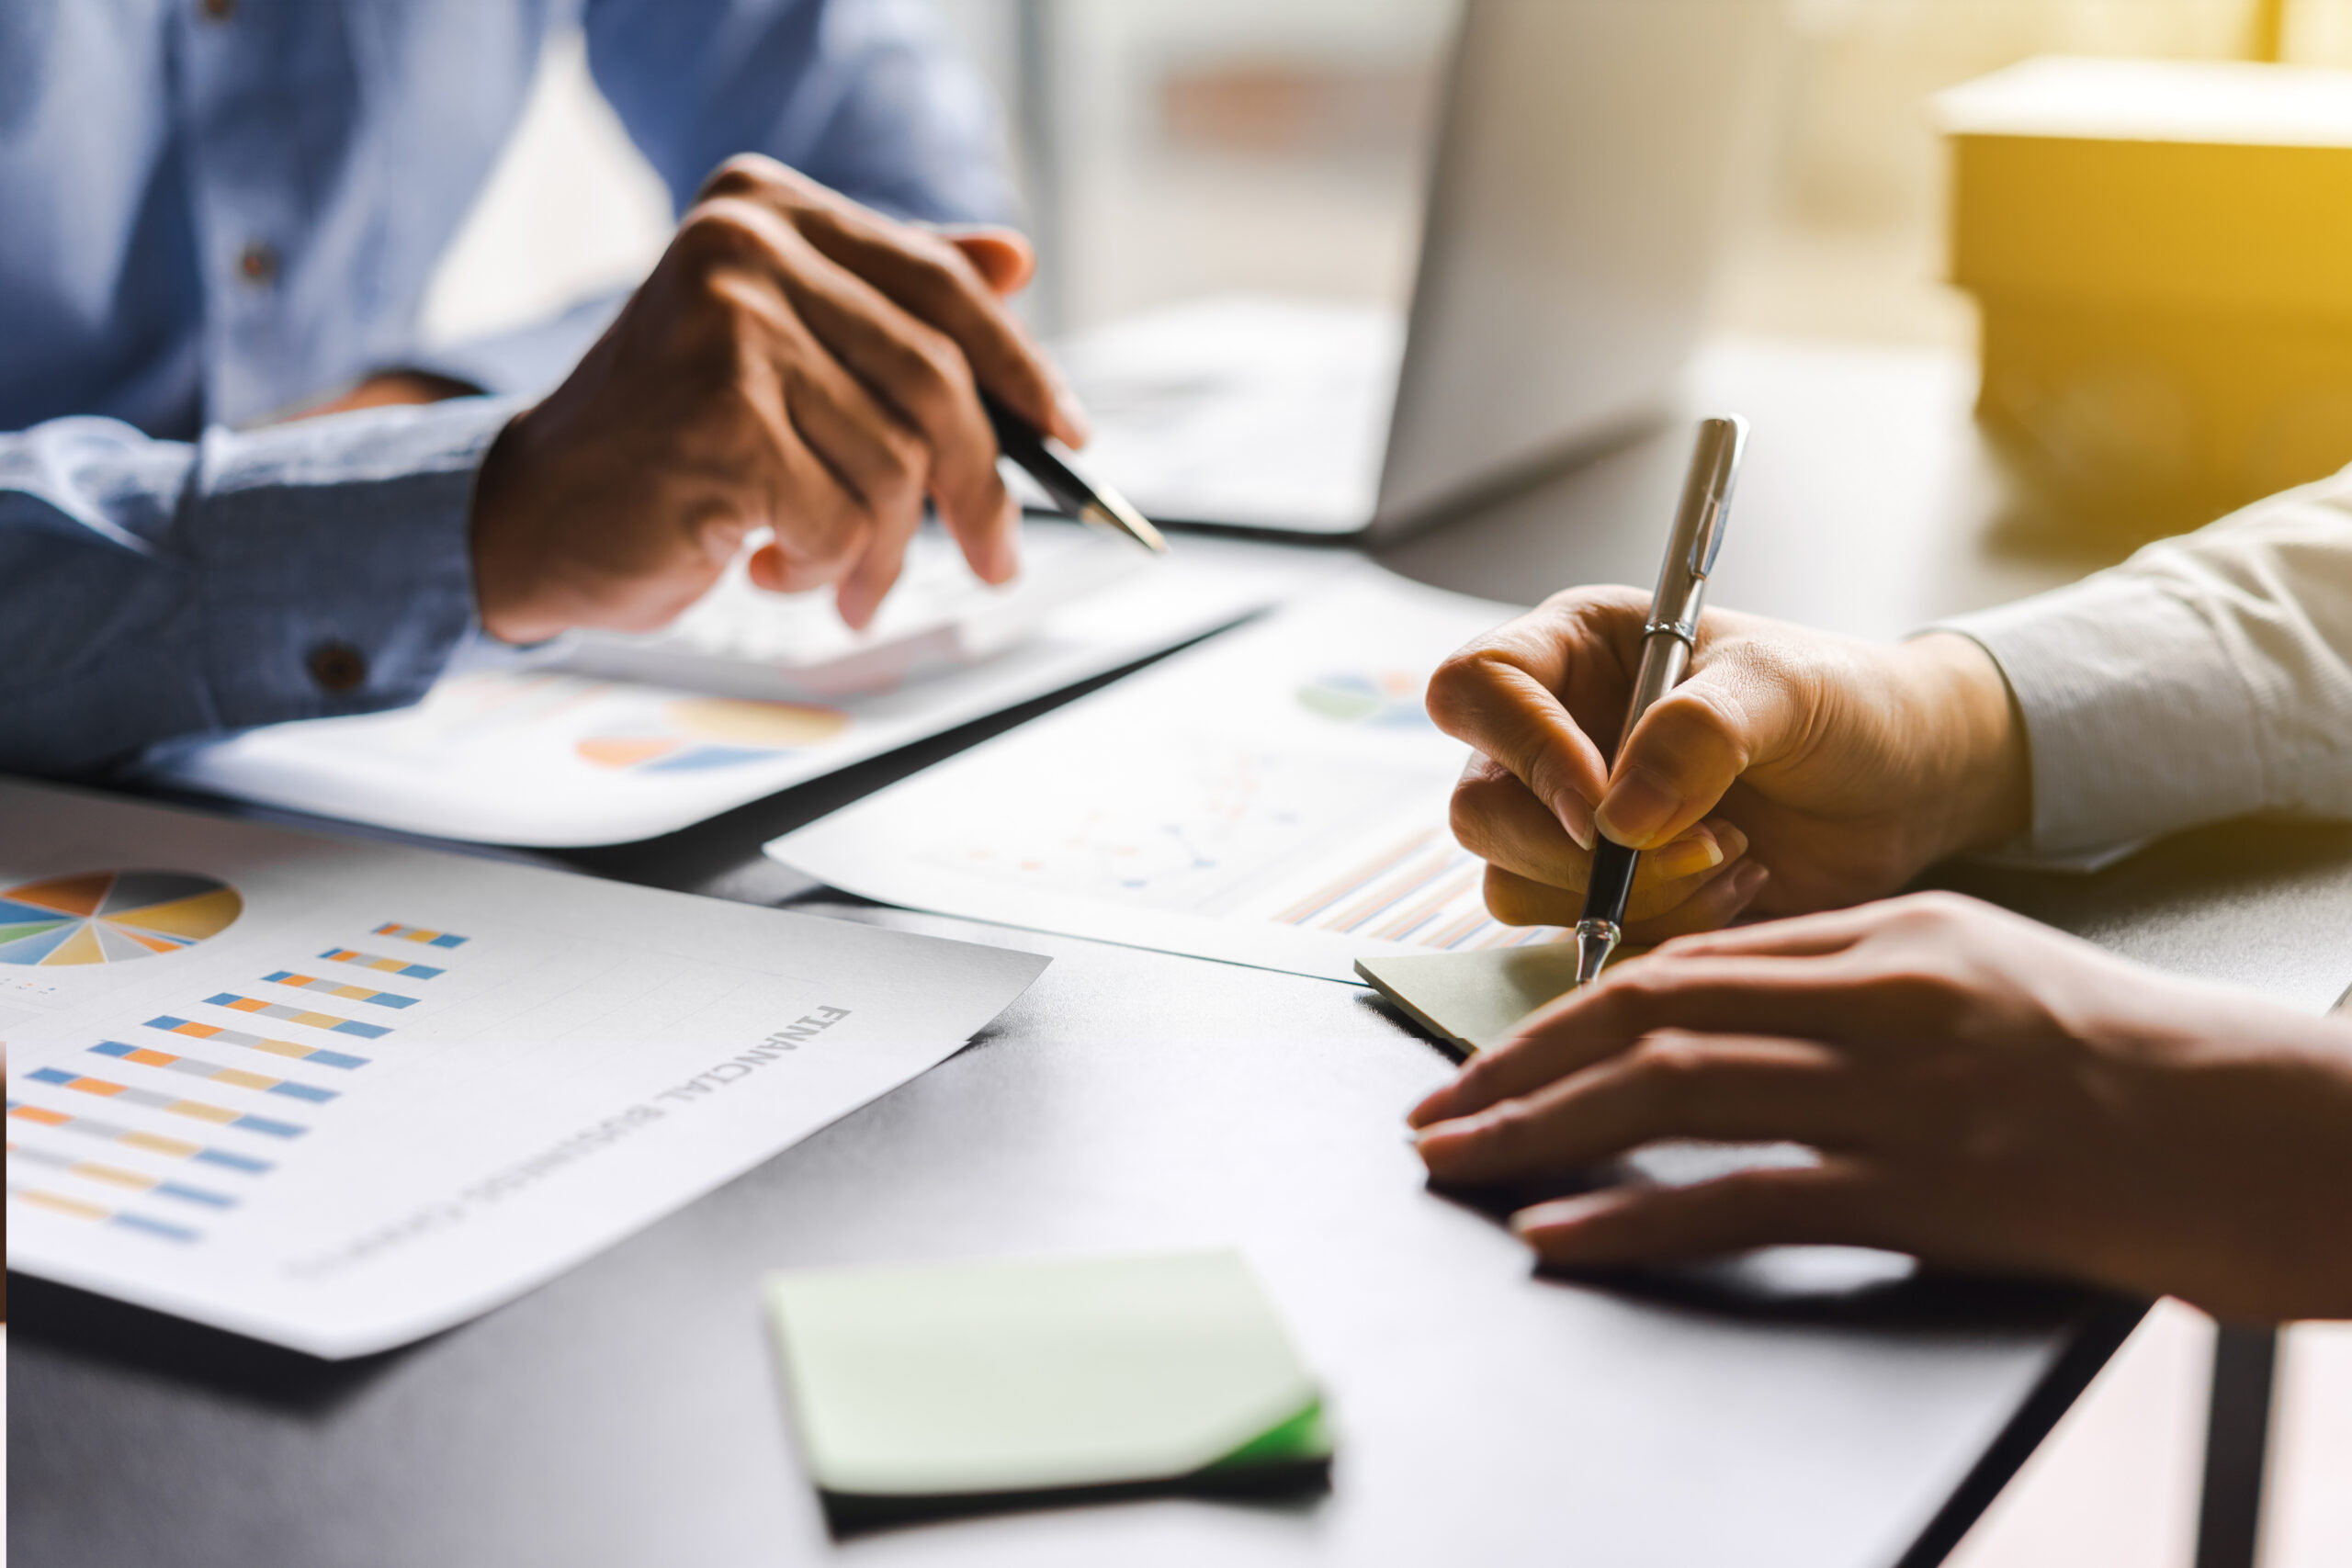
x=60 y=1182
x=236 y=1078
x=298 y=1015
x=195 y=1031
x=131 y=1138
x=82 y=1209
x=337 y=989
x=418 y=933
x=375 y=961
x=116 y=1176
x=196 y=1110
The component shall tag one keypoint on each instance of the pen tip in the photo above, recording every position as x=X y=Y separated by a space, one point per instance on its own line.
x=1110 y=511
x=1595 y=940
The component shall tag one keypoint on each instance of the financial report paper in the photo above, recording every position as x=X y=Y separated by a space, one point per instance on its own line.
x=339 y=1096
x=557 y=756
x=1277 y=797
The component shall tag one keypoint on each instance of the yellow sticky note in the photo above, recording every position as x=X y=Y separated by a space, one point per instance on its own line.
x=1474 y=999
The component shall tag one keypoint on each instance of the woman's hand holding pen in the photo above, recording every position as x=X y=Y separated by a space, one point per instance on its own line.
x=796 y=362
x=1792 y=771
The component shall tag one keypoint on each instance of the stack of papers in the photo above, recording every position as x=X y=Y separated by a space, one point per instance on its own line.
x=922 y=1389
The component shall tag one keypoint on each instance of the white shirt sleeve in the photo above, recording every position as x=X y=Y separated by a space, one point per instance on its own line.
x=2208 y=677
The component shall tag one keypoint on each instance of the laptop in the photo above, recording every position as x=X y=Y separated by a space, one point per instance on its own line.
x=1576 y=209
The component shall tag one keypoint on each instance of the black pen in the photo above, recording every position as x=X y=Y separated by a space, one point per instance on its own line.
x=1090 y=502
x=1668 y=639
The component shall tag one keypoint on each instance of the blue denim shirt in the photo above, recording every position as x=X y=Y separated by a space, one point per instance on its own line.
x=213 y=210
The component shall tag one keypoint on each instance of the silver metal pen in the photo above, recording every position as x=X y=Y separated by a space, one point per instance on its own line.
x=1668 y=639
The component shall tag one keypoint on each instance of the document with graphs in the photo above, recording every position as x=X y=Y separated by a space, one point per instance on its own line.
x=619 y=743
x=1276 y=798
x=339 y=1096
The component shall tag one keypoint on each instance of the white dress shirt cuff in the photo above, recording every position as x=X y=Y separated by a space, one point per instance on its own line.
x=2137 y=721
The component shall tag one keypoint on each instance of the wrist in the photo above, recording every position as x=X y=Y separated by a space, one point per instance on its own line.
x=1982 y=769
x=501 y=563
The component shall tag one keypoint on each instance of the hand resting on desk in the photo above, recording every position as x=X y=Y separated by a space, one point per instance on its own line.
x=1985 y=1093
x=1792 y=771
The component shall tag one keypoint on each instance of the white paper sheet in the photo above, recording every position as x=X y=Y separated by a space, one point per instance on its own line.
x=339 y=1096
x=1276 y=797
x=1242 y=409
x=539 y=757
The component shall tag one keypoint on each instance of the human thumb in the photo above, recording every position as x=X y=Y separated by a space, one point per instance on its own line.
x=1692 y=746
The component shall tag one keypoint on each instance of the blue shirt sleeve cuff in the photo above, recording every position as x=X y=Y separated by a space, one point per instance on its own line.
x=332 y=558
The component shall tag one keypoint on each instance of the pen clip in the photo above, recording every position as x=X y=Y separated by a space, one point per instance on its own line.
x=1723 y=441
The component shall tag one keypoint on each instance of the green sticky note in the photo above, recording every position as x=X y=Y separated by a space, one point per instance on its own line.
x=967 y=1379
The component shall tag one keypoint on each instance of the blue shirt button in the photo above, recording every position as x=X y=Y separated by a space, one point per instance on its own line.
x=257 y=263
x=337 y=667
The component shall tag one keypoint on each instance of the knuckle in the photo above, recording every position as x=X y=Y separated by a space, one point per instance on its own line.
x=1704 y=719
x=1942 y=908
x=1920 y=994
x=745 y=173
x=1481 y=1086
x=837 y=540
x=720 y=224
x=1511 y=1129
x=905 y=461
x=1459 y=676
x=930 y=374
x=1471 y=814
x=936 y=269
x=1466 y=679
x=1477 y=1074
x=901 y=472
x=1594 y=603
x=1637 y=989
x=717 y=236
x=1672 y=1060
x=1549 y=777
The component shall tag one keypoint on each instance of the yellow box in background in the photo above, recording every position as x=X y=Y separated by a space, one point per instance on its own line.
x=2162 y=252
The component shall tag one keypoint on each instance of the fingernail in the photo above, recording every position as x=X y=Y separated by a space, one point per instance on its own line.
x=1686 y=857
x=1436 y=1141
x=1073 y=419
x=1638 y=805
x=1577 y=818
x=1748 y=881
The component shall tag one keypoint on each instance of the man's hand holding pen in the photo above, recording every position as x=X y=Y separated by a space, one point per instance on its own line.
x=796 y=362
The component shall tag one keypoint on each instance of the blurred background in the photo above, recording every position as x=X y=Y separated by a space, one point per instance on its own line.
x=1168 y=150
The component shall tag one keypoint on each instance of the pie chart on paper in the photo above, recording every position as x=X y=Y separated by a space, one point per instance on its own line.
x=110 y=916
x=713 y=732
